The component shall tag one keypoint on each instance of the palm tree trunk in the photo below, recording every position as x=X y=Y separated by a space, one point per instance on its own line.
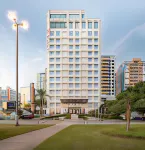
x=42 y=107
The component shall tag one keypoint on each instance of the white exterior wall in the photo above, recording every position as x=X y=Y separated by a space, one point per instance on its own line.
x=63 y=85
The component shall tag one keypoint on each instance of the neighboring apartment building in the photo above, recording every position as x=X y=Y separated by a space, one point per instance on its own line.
x=28 y=95
x=108 y=76
x=8 y=94
x=41 y=80
x=74 y=56
x=129 y=73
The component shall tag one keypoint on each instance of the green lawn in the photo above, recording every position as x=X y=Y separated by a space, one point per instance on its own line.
x=92 y=137
x=7 y=131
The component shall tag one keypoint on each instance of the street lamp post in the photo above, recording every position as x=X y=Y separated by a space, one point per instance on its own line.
x=13 y=17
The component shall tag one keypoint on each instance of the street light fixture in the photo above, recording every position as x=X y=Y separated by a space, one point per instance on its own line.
x=12 y=16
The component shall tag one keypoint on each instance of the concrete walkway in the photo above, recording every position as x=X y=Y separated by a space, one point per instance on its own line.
x=29 y=141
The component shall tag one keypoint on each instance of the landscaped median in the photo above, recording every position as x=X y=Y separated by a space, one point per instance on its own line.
x=92 y=137
x=7 y=131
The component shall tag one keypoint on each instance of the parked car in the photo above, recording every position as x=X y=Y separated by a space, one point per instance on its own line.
x=27 y=116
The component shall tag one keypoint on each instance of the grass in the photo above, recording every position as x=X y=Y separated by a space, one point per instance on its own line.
x=91 y=137
x=136 y=131
x=7 y=131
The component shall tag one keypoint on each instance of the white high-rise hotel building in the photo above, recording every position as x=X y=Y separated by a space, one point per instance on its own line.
x=74 y=56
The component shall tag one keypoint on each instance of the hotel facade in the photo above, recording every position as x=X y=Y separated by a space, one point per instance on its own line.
x=74 y=56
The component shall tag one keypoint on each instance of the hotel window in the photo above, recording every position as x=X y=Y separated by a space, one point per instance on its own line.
x=77 y=40
x=51 y=66
x=58 y=79
x=89 y=92
x=71 y=79
x=51 y=79
x=77 y=25
x=51 y=33
x=83 y=25
x=51 y=40
x=57 y=53
x=95 y=46
x=96 y=92
x=83 y=16
x=57 y=85
x=77 y=47
x=77 y=79
x=77 y=66
x=90 y=79
x=95 y=66
x=57 y=66
x=89 y=46
x=77 y=60
x=89 y=59
x=90 y=66
x=96 y=79
x=57 y=73
x=51 y=85
x=89 y=72
x=51 y=72
x=95 y=98
x=70 y=53
x=89 y=33
x=96 y=53
x=89 y=53
x=96 y=40
x=70 y=91
x=77 y=85
x=95 y=25
x=70 y=59
x=77 y=73
x=76 y=33
x=51 y=59
x=89 y=40
x=71 y=25
x=57 y=40
x=95 y=33
x=96 y=59
x=57 y=59
x=70 y=85
x=77 y=53
x=96 y=73
x=71 y=40
x=70 y=66
x=90 y=25
x=77 y=92
x=57 y=91
x=57 y=46
x=71 y=47
x=96 y=85
x=74 y=16
x=51 y=46
x=89 y=85
x=57 y=24
x=70 y=72
x=70 y=33
x=57 y=33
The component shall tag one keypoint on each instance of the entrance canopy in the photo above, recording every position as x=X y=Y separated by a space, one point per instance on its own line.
x=82 y=101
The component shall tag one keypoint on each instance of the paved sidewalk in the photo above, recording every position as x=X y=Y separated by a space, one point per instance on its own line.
x=29 y=141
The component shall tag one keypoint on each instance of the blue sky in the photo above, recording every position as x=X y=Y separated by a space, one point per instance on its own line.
x=123 y=33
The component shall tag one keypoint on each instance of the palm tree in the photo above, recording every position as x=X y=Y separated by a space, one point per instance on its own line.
x=41 y=93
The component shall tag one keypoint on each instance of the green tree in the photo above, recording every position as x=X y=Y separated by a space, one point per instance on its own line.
x=140 y=106
x=40 y=98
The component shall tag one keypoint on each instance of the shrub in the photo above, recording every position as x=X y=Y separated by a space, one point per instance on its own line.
x=68 y=116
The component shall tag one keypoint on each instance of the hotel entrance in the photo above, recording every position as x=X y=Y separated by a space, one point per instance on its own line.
x=74 y=106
